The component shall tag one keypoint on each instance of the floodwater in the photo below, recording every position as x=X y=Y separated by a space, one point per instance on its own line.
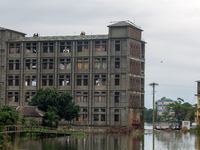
x=97 y=141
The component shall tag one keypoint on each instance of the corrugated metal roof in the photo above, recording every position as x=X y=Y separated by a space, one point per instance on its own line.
x=30 y=111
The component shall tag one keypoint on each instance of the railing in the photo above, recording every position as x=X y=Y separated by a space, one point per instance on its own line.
x=33 y=129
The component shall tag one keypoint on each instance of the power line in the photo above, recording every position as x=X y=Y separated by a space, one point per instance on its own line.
x=173 y=85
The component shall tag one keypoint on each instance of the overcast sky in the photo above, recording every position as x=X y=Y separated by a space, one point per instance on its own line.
x=171 y=30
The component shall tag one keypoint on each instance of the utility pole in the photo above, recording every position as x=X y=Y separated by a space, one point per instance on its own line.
x=153 y=84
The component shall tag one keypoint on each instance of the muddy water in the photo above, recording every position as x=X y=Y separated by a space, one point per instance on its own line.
x=98 y=141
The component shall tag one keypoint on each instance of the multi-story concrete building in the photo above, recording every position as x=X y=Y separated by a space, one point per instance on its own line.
x=162 y=104
x=104 y=73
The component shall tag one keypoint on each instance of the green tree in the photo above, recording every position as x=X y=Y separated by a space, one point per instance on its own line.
x=70 y=111
x=176 y=107
x=50 y=118
x=181 y=111
x=8 y=116
x=64 y=105
x=148 y=115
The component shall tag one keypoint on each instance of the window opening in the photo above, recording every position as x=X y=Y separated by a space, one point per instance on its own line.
x=116 y=97
x=117 y=45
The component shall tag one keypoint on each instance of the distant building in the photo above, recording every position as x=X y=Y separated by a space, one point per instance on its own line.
x=104 y=73
x=161 y=105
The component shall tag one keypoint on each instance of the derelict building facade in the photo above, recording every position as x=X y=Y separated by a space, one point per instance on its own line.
x=104 y=73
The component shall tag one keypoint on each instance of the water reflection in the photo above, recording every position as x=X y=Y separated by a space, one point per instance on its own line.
x=163 y=141
x=93 y=141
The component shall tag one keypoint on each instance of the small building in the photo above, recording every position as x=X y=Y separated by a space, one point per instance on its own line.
x=31 y=111
x=162 y=104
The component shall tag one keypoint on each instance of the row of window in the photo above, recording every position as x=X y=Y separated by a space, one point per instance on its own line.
x=98 y=117
x=81 y=97
x=64 y=47
x=64 y=80
x=64 y=64
x=99 y=97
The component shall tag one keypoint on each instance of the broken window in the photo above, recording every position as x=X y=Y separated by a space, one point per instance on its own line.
x=48 y=47
x=103 y=46
x=117 y=79
x=16 y=80
x=13 y=96
x=96 y=97
x=85 y=97
x=13 y=64
x=103 y=97
x=78 y=97
x=82 y=78
x=14 y=48
x=82 y=97
x=79 y=79
x=30 y=80
x=116 y=110
x=85 y=63
x=103 y=117
x=100 y=46
x=13 y=80
x=16 y=64
x=31 y=64
x=100 y=80
x=84 y=117
x=117 y=62
x=117 y=45
x=31 y=48
x=99 y=97
x=116 y=97
x=28 y=96
x=10 y=96
x=64 y=80
x=82 y=63
x=116 y=116
x=96 y=117
x=47 y=80
x=85 y=80
x=103 y=110
x=10 y=80
x=84 y=110
x=47 y=63
x=65 y=64
x=96 y=110
x=65 y=47
x=100 y=63
x=97 y=46
x=82 y=46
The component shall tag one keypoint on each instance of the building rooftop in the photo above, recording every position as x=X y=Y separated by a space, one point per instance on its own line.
x=4 y=29
x=166 y=99
x=30 y=111
x=124 y=23
x=60 y=38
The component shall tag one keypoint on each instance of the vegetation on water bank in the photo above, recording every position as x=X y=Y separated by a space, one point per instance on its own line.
x=79 y=134
x=8 y=116
x=182 y=111
x=56 y=106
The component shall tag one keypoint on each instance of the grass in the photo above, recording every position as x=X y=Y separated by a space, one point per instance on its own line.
x=79 y=134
